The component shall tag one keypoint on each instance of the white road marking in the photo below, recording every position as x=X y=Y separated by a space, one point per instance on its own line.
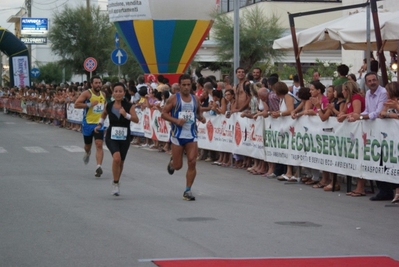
x=73 y=148
x=9 y=122
x=2 y=150
x=35 y=149
x=148 y=149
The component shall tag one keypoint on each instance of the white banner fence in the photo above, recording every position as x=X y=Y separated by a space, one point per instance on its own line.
x=366 y=149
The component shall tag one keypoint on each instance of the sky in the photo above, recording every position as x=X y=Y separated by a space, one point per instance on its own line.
x=7 y=9
x=40 y=8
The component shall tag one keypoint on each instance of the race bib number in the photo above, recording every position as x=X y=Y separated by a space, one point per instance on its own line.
x=98 y=108
x=188 y=116
x=118 y=133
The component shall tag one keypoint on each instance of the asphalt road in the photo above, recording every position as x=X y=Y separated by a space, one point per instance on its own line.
x=54 y=212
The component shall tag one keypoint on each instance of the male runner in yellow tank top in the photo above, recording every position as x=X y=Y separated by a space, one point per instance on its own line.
x=93 y=102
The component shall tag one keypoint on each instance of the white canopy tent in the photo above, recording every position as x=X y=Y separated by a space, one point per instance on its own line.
x=350 y=32
x=328 y=36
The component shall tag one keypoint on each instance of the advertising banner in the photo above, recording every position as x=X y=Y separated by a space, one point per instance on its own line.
x=217 y=133
x=248 y=137
x=122 y=10
x=137 y=129
x=161 y=128
x=20 y=71
x=380 y=153
x=74 y=115
x=366 y=149
x=308 y=142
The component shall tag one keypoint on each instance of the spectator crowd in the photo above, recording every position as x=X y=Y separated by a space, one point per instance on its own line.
x=348 y=98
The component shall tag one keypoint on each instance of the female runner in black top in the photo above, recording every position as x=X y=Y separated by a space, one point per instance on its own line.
x=120 y=114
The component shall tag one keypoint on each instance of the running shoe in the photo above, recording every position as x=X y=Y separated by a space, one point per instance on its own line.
x=208 y=159
x=115 y=189
x=99 y=171
x=170 y=168
x=86 y=158
x=188 y=196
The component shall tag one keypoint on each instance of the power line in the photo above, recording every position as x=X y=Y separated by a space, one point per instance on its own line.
x=11 y=8
x=50 y=8
x=49 y=3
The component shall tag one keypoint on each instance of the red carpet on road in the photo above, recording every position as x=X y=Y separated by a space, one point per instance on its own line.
x=362 y=261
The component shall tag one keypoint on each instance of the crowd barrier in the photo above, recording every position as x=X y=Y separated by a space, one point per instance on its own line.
x=11 y=104
x=366 y=149
x=44 y=109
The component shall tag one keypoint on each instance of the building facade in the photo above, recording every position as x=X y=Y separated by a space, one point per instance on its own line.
x=281 y=8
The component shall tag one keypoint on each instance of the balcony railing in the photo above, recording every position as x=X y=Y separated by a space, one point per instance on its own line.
x=228 y=5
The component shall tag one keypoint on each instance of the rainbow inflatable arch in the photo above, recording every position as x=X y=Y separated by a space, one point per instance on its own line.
x=164 y=36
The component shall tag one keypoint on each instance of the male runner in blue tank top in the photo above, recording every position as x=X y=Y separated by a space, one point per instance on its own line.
x=182 y=110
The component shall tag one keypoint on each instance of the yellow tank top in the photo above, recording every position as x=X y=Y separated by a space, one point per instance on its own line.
x=94 y=112
x=142 y=100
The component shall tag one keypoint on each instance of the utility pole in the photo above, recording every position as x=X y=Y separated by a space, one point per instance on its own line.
x=236 y=37
x=28 y=4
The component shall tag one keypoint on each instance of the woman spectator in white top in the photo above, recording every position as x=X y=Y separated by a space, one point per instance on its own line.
x=256 y=105
x=287 y=100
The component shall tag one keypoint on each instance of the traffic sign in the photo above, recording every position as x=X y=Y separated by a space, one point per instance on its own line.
x=116 y=40
x=35 y=72
x=119 y=56
x=90 y=64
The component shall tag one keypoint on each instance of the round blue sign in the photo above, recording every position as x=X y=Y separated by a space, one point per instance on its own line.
x=119 y=56
x=35 y=72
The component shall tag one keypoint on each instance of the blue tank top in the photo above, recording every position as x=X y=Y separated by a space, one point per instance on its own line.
x=188 y=111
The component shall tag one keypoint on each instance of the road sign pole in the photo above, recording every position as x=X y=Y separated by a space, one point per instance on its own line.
x=119 y=71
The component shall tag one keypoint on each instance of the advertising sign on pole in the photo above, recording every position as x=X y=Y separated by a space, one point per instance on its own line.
x=34 y=26
x=34 y=40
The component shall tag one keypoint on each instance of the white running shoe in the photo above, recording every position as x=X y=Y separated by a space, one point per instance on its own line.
x=115 y=189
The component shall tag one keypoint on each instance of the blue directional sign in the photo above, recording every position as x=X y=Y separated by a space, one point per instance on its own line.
x=119 y=56
x=116 y=40
x=35 y=72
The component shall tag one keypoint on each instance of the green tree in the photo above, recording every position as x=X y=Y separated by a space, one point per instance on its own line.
x=257 y=34
x=52 y=72
x=79 y=33
x=325 y=68
x=224 y=67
